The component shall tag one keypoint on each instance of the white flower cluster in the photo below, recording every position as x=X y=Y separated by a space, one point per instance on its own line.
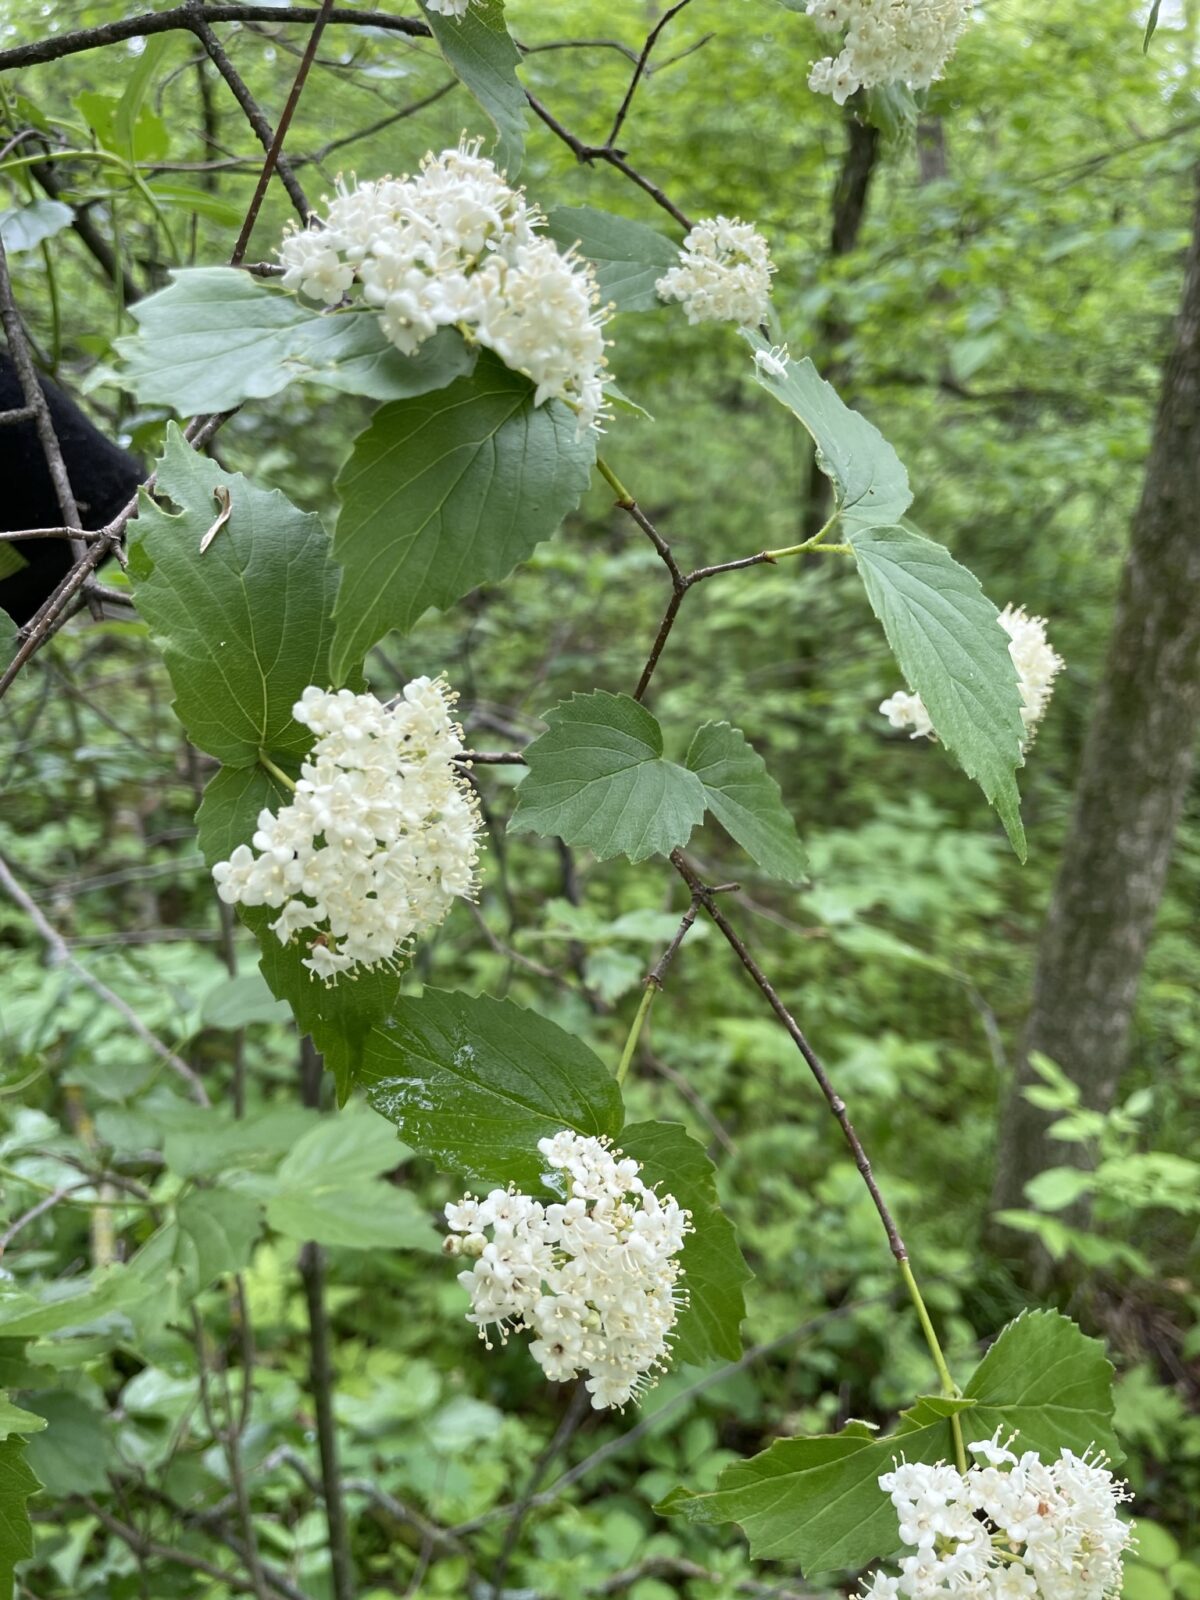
x=455 y=246
x=1015 y=1529
x=1037 y=664
x=594 y=1280
x=381 y=836
x=885 y=41
x=449 y=8
x=724 y=273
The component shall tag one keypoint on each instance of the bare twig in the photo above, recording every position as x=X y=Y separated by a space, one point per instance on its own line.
x=652 y=39
x=835 y=1102
x=577 y=1408
x=62 y=956
x=199 y=24
x=228 y=1438
x=312 y=1273
x=275 y=151
x=681 y=1398
x=588 y=153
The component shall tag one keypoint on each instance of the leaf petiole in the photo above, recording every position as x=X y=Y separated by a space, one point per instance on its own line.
x=276 y=772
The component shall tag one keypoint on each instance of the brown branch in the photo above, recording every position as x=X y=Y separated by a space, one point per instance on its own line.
x=681 y=581
x=183 y=17
x=639 y=70
x=312 y=1273
x=250 y=107
x=61 y=956
x=680 y=1398
x=275 y=152
x=835 y=1102
x=588 y=153
x=574 y=1414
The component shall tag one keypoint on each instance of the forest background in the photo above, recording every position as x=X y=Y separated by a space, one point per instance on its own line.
x=1000 y=304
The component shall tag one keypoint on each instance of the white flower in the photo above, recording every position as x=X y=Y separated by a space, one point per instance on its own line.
x=379 y=839
x=1037 y=664
x=449 y=8
x=594 y=1279
x=1017 y=1528
x=774 y=362
x=904 y=710
x=885 y=41
x=453 y=245
x=724 y=273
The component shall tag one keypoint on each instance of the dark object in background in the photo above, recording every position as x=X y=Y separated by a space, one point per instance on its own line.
x=103 y=478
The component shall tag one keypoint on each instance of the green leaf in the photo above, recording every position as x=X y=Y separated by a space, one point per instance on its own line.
x=328 y=1189
x=197 y=202
x=217 y=337
x=213 y=1232
x=944 y=634
x=1049 y=1383
x=475 y=1082
x=446 y=492
x=817 y=1501
x=229 y=809
x=714 y=1271
x=481 y=55
x=598 y=779
x=25 y=227
x=244 y=626
x=75 y=1304
x=129 y=107
x=72 y=1456
x=1059 y=1187
x=745 y=799
x=1151 y=25
x=339 y=1016
x=240 y=1002
x=199 y=1144
x=869 y=480
x=14 y=1420
x=17 y=1483
x=628 y=256
x=142 y=138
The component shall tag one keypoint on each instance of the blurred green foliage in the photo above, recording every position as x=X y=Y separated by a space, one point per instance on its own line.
x=1002 y=320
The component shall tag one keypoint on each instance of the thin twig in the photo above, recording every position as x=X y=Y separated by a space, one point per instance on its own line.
x=312 y=1273
x=275 y=151
x=227 y=1437
x=682 y=1397
x=251 y=109
x=835 y=1102
x=639 y=69
x=588 y=153
x=574 y=1414
x=61 y=956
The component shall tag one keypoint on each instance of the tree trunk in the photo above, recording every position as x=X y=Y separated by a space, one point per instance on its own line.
x=849 y=208
x=1136 y=764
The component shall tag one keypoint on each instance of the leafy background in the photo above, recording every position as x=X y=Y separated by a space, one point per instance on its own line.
x=1002 y=320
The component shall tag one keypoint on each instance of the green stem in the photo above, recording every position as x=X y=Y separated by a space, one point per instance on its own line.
x=950 y=1389
x=277 y=773
x=643 y=1011
x=618 y=488
x=811 y=544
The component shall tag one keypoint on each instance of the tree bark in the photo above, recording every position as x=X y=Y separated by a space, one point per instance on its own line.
x=1136 y=765
x=849 y=209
